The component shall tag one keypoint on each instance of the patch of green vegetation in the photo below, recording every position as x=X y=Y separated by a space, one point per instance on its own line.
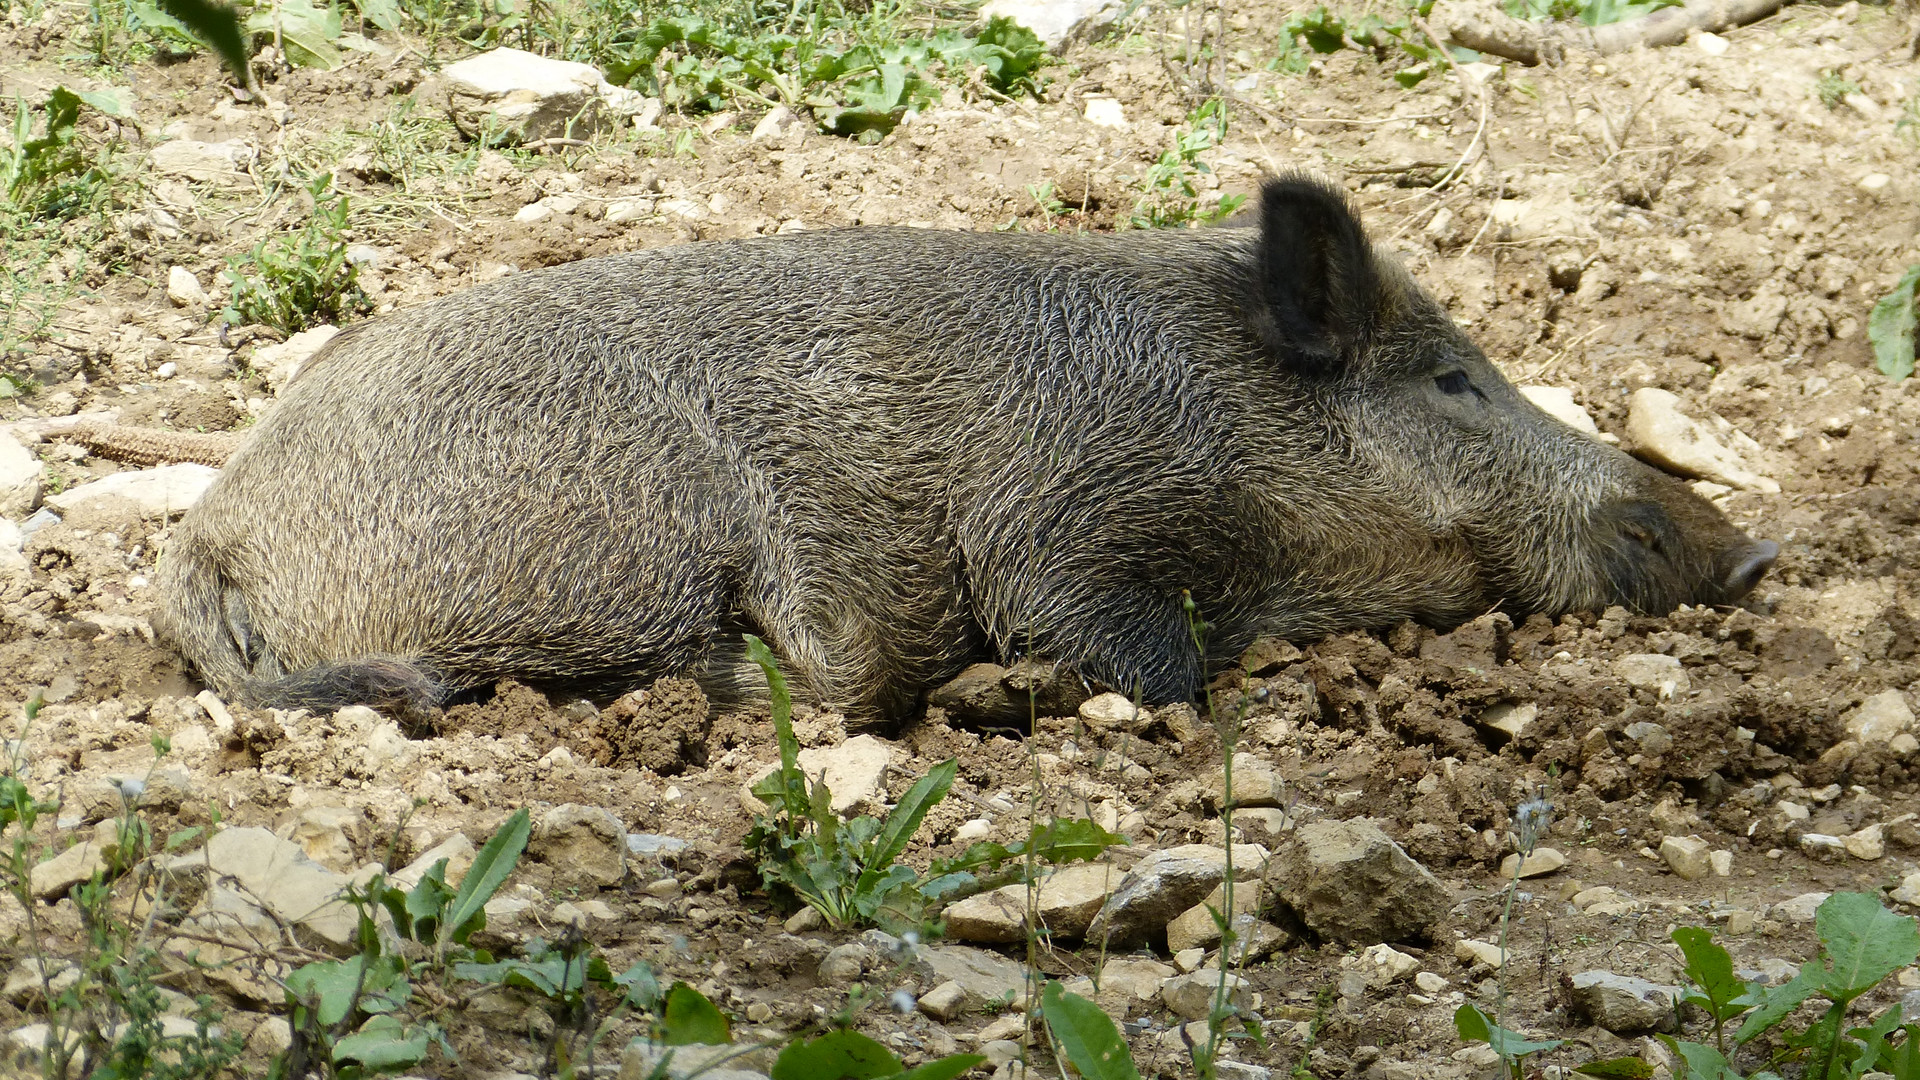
x=847 y=870
x=1891 y=325
x=1589 y=12
x=1169 y=194
x=1832 y=88
x=296 y=280
x=46 y=171
x=1394 y=40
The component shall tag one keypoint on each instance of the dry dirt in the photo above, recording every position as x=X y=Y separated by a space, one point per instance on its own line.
x=1672 y=218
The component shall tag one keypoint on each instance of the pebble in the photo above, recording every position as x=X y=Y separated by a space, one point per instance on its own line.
x=1470 y=951
x=1801 y=908
x=183 y=289
x=1105 y=112
x=1192 y=995
x=1544 y=860
x=1689 y=857
x=945 y=1001
x=1868 y=843
x=1430 y=983
x=1658 y=431
x=1622 y=1004
x=1653 y=671
x=1348 y=881
x=1880 y=718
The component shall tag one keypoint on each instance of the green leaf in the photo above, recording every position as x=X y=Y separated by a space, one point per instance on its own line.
x=1473 y=1026
x=690 y=1019
x=329 y=985
x=837 y=1055
x=1703 y=1062
x=945 y=1068
x=1891 y=327
x=495 y=860
x=642 y=988
x=384 y=14
x=1086 y=1034
x=1775 y=1002
x=216 y=24
x=912 y=809
x=1723 y=994
x=1626 y=1068
x=1862 y=943
x=1873 y=1043
x=1904 y=1062
x=383 y=1044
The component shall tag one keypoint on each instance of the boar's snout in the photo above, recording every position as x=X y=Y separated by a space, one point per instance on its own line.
x=1675 y=548
x=1746 y=564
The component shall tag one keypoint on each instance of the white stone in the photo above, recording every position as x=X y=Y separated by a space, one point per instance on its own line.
x=781 y=125
x=1430 y=983
x=1600 y=894
x=1469 y=951
x=1874 y=181
x=1653 y=671
x=203 y=161
x=1544 y=860
x=945 y=1001
x=20 y=473
x=456 y=849
x=1909 y=891
x=513 y=96
x=183 y=289
x=1793 y=811
x=1801 y=908
x=1111 y=711
x=160 y=492
x=1658 y=431
x=973 y=830
x=1192 y=995
x=1389 y=962
x=277 y=875
x=854 y=770
x=1508 y=718
x=1722 y=862
x=534 y=211
x=1557 y=402
x=1880 y=718
x=1688 y=856
x=280 y=363
x=1105 y=112
x=1712 y=44
x=1058 y=22
x=1868 y=844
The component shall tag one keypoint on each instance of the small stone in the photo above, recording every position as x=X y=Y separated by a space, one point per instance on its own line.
x=1875 y=181
x=1484 y=953
x=1058 y=22
x=843 y=964
x=1388 y=963
x=1658 y=431
x=804 y=920
x=1741 y=922
x=1113 y=712
x=1689 y=857
x=1105 y=112
x=184 y=290
x=158 y=493
x=534 y=211
x=1255 y=783
x=1880 y=718
x=1793 y=811
x=1348 y=881
x=1509 y=719
x=853 y=771
x=1558 y=403
x=50 y=880
x=1821 y=845
x=1197 y=927
x=1189 y=959
x=1908 y=892
x=584 y=846
x=1137 y=978
x=1429 y=983
x=1600 y=894
x=282 y=362
x=1869 y=843
x=20 y=475
x=1622 y=1004
x=986 y=976
x=945 y=1001
x=1722 y=862
x=1801 y=908
x=666 y=888
x=1712 y=44
x=973 y=830
x=203 y=161
x=781 y=126
x=325 y=833
x=510 y=96
x=1544 y=860
x=1653 y=671
x=1164 y=884
x=1192 y=995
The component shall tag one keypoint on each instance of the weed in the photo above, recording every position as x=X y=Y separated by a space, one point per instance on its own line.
x=52 y=176
x=1395 y=40
x=1832 y=88
x=1890 y=327
x=1531 y=820
x=1168 y=195
x=1049 y=204
x=294 y=281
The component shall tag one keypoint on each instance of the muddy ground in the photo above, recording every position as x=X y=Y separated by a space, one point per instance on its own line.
x=1688 y=218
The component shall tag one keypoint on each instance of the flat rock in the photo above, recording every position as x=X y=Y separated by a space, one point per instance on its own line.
x=1623 y=1004
x=184 y=290
x=1659 y=432
x=203 y=161
x=278 y=876
x=281 y=362
x=854 y=770
x=510 y=96
x=1689 y=857
x=1058 y=23
x=1348 y=881
x=1544 y=860
x=1255 y=783
x=1135 y=977
x=158 y=493
x=944 y=1002
x=1484 y=953
x=1869 y=843
x=1509 y=718
x=50 y=880
x=1191 y=996
x=986 y=976
x=1166 y=883
x=1653 y=671
x=456 y=849
x=1557 y=402
x=20 y=473
x=1113 y=712
x=586 y=846
x=1880 y=718
x=1196 y=926
x=1067 y=901
x=1801 y=908
x=644 y=1059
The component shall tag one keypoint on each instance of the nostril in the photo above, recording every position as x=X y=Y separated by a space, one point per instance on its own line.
x=1751 y=569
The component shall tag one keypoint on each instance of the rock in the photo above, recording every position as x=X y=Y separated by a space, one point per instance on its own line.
x=280 y=363
x=1163 y=885
x=973 y=830
x=1908 y=892
x=1191 y=995
x=1880 y=718
x=1385 y=964
x=1189 y=959
x=1622 y=1004
x=1349 y=881
x=1137 y=978
x=1822 y=846
x=1659 y=432
x=1601 y=894
x=276 y=875
x=1067 y=901
x=511 y=97
x=585 y=846
x=1688 y=857
x=1801 y=908
x=1653 y=671
x=1237 y=1070
x=1712 y=44
x=854 y=770
x=1544 y=860
x=1484 y=953
x=944 y=1002
x=456 y=849
x=184 y=290
x=1113 y=712
x=1058 y=23
x=158 y=493
x=644 y=1059
x=1722 y=862
x=781 y=126
x=1869 y=843
x=1429 y=983
x=844 y=964
x=657 y=845
x=987 y=977
x=325 y=834
x=1104 y=112
x=50 y=880
x=20 y=473
x=1196 y=926
x=32 y=980
x=1255 y=783
x=202 y=161
x=1509 y=719
x=1558 y=403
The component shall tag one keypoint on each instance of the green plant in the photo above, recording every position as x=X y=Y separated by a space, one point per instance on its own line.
x=1890 y=327
x=847 y=870
x=1167 y=192
x=1390 y=40
x=1085 y=1035
x=1832 y=88
x=844 y=1054
x=1531 y=821
x=297 y=280
x=51 y=175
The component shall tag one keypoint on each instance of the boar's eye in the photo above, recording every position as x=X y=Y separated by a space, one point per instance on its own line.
x=1454 y=382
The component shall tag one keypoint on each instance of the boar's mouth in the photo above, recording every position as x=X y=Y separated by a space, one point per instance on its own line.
x=1655 y=562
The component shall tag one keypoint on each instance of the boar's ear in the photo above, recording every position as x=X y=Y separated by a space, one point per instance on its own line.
x=1317 y=276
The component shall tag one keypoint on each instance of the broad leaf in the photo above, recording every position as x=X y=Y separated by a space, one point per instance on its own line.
x=1722 y=993
x=837 y=1055
x=1473 y=1026
x=945 y=1068
x=1891 y=327
x=383 y=1044
x=1703 y=1062
x=1626 y=1068
x=690 y=1019
x=495 y=860
x=216 y=24
x=1862 y=943
x=1087 y=1035
x=1776 y=1002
